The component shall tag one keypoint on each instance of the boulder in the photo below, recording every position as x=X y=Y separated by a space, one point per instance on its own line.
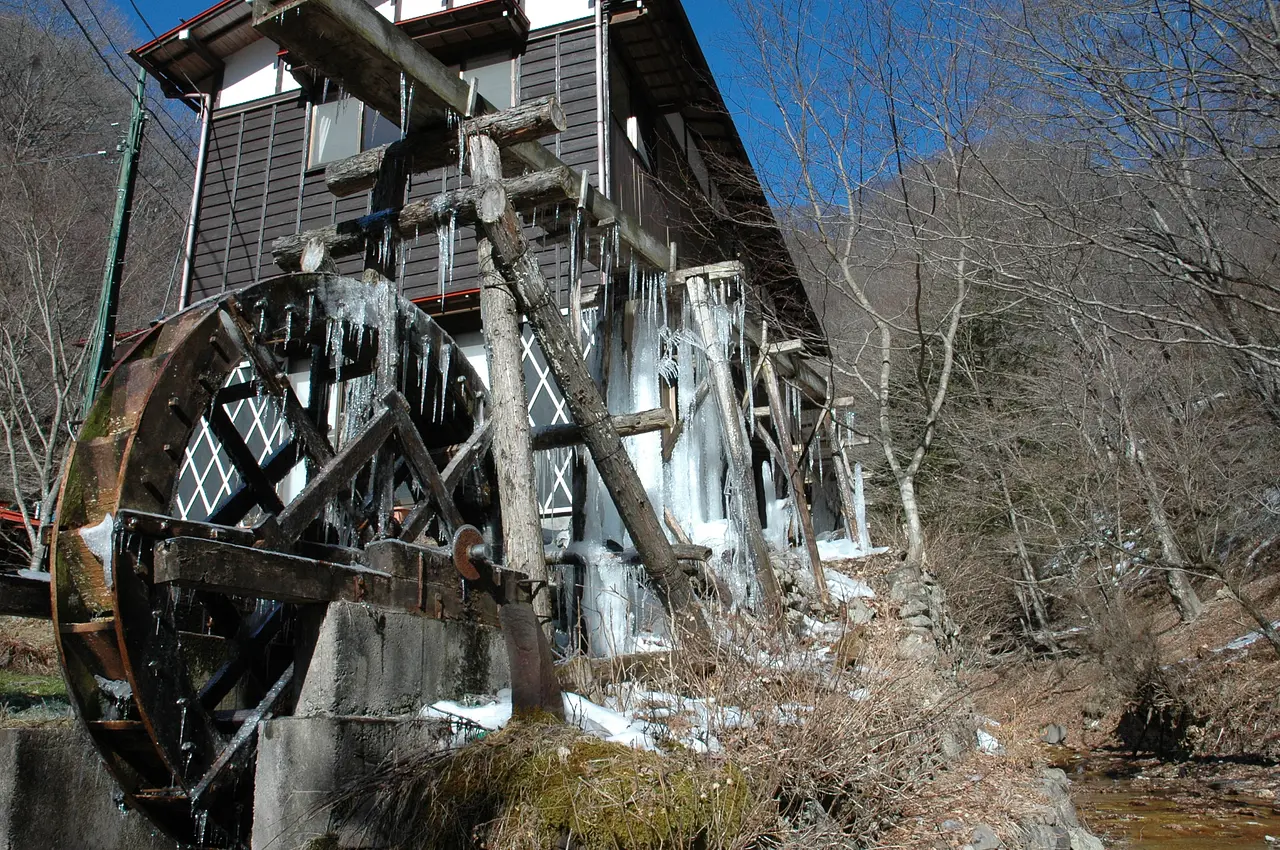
x=1055 y=734
x=984 y=838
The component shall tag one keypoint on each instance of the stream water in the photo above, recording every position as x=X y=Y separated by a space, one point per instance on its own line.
x=1141 y=804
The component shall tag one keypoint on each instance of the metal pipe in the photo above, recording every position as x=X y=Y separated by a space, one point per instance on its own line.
x=602 y=119
x=193 y=216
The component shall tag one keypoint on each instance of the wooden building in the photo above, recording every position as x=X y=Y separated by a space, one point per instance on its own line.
x=645 y=122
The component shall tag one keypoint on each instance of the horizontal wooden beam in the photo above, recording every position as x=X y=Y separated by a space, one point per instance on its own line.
x=715 y=271
x=789 y=346
x=628 y=425
x=346 y=239
x=349 y=40
x=438 y=147
x=198 y=564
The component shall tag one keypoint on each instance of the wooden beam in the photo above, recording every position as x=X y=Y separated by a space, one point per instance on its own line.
x=715 y=271
x=349 y=40
x=436 y=591
x=797 y=369
x=512 y=445
x=559 y=342
x=348 y=238
x=742 y=484
x=438 y=147
x=197 y=564
x=794 y=475
x=627 y=424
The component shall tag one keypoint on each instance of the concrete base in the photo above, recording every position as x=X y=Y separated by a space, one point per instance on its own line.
x=304 y=763
x=368 y=676
x=371 y=663
x=55 y=792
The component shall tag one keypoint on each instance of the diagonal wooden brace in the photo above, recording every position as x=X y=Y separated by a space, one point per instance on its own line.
x=524 y=276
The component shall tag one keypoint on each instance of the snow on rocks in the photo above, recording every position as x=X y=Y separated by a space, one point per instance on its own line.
x=843 y=588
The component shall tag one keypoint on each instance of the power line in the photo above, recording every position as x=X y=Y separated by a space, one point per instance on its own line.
x=143 y=18
x=107 y=64
x=112 y=44
x=159 y=193
x=53 y=159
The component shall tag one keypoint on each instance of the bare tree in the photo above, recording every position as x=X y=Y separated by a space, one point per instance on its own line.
x=61 y=115
x=878 y=109
x=1170 y=110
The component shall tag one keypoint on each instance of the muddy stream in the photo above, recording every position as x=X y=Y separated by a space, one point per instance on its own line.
x=1143 y=804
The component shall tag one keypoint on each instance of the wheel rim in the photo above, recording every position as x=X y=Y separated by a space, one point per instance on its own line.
x=209 y=426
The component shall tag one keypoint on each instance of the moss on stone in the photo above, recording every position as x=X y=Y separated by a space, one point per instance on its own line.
x=536 y=782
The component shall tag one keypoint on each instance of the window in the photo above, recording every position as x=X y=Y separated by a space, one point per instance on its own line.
x=493 y=76
x=344 y=127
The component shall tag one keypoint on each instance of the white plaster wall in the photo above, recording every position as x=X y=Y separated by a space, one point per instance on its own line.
x=547 y=13
x=472 y=345
x=250 y=74
x=418 y=8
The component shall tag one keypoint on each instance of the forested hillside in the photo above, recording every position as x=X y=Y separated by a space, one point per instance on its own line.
x=65 y=102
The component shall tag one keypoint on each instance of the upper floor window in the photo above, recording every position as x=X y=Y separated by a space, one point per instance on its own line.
x=495 y=78
x=345 y=127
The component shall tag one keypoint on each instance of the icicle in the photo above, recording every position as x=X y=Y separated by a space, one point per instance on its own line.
x=446 y=354
x=446 y=233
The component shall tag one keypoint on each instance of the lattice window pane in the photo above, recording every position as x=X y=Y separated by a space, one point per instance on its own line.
x=208 y=478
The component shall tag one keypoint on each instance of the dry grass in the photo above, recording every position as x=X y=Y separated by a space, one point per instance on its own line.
x=819 y=751
x=1144 y=672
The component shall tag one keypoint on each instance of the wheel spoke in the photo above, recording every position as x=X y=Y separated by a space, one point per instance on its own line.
x=242 y=458
x=248 y=648
x=315 y=445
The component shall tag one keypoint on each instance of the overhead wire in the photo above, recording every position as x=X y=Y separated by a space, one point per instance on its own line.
x=111 y=43
x=156 y=190
x=127 y=87
x=143 y=18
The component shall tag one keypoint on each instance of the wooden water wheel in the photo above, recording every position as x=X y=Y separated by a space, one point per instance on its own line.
x=296 y=443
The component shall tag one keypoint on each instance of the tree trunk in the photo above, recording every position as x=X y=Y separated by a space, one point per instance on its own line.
x=911 y=517
x=1175 y=562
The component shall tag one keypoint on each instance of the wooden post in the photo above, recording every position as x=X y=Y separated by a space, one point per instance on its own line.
x=560 y=345
x=745 y=512
x=512 y=443
x=842 y=479
x=788 y=452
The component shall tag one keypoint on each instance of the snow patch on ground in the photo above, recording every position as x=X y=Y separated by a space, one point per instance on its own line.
x=843 y=549
x=845 y=588
x=1245 y=641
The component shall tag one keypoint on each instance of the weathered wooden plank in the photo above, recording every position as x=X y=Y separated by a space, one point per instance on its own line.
x=512 y=446
x=241 y=570
x=348 y=238
x=436 y=148
x=349 y=40
x=560 y=346
x=627 y=425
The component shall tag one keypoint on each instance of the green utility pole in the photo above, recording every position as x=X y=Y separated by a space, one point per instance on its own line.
x=102 y=343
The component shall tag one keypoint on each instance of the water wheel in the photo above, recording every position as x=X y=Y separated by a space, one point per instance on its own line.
x=242 y=461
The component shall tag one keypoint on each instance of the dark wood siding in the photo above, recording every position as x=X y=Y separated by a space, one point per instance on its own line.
x=256 y=189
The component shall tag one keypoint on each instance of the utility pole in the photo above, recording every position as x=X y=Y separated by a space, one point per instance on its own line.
x=104 y=334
